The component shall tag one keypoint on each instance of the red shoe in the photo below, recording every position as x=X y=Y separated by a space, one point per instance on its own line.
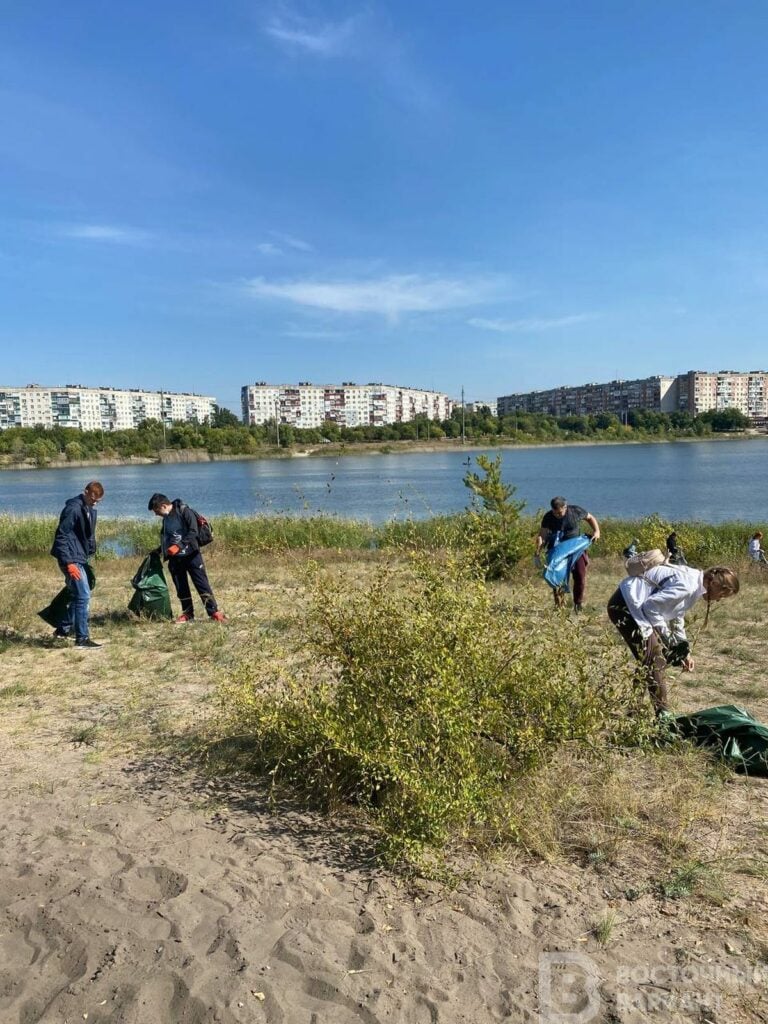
x=218 y=617
x=184 y=618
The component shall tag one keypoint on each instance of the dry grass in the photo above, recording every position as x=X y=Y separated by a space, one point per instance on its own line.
x=647 y=820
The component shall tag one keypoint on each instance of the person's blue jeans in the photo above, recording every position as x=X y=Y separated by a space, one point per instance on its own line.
x=79 y=602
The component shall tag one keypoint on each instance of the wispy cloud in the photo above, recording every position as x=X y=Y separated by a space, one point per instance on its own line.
x=387 y=296
x=368 y=38
x=269 y=249
x=533 y=325
x=285 y=242
x=291 y=242
x=111 y=233
x=328 y=39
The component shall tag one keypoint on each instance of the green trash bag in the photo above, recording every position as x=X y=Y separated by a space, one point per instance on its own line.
x=150 y=598
x=57 y=609
x=730 y=732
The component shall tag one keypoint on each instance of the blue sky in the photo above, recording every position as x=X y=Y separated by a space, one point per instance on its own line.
x=503 y=195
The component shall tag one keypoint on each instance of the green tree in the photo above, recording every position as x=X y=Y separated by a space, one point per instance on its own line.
x=494 y=529
x=224 y=418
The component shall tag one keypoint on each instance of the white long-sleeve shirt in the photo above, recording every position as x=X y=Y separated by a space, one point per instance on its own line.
x=660 y=598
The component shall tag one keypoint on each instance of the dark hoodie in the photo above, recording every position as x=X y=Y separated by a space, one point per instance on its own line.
x=75 y=539
x=180 y=528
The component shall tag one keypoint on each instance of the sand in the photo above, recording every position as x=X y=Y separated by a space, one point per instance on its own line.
x=138 y=890
x=127 y=898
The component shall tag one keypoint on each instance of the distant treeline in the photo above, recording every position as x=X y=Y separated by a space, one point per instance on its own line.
x=226 y=435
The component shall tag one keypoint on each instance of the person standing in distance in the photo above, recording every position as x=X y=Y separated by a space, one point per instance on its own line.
x=179 y=546
x=73 y=545
x=562 y=523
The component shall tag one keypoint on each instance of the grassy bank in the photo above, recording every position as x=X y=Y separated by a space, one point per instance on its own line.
x=257 y=688
x=703 y=544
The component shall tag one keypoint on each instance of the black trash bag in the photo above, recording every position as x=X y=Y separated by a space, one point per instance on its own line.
x=730 y=732
x=151 y=599
x=57 y=609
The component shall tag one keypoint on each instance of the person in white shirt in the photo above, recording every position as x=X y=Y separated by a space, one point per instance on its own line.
x=649 y=612
x=756 y=552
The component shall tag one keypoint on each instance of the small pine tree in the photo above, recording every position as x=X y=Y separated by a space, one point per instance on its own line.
x=494 y=529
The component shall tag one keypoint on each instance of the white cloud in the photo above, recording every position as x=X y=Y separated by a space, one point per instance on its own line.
x=269 y=249
x=388 y=296
x=106 y=233
x=292 y=242
x=326 y=40
x=367 y=38
x=532 y=325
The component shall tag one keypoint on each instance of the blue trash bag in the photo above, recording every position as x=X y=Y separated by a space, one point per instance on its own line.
x=561 y=560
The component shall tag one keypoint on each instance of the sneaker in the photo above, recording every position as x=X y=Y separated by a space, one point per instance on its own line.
x=218 y=617
x=87 y=644
x=61 y=634
x=181 y=619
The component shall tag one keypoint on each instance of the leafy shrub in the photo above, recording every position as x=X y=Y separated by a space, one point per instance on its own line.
x=494 y=530
x=417 y=698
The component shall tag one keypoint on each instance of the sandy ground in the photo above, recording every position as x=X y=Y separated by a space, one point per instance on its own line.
x=136 y=889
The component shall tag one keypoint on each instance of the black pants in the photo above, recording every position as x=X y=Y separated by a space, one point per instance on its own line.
x=184 y=569
x=648 y=652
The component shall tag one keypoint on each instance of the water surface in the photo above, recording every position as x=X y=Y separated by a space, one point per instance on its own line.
x=712 y=481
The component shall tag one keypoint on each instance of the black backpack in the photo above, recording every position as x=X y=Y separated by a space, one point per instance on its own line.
x=204 y=528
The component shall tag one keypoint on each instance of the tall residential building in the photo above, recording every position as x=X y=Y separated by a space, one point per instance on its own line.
x=98 y=408
x=617 y=396
x=308 y=405
x=696 y=391
x=699 y=391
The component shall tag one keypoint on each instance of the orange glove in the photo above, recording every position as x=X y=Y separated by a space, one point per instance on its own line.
x=174 y=549
x=73 y=571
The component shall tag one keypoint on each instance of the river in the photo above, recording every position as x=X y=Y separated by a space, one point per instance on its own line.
x=711 y=481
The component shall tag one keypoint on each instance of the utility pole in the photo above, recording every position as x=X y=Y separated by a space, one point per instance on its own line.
x=277 y=421
x=463 y=424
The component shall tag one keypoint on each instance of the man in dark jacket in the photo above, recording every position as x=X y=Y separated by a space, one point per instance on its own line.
x=73 y=545
x=179 y=544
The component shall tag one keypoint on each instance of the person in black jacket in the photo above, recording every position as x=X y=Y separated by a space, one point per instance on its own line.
x=179 y=545
x=73 y=545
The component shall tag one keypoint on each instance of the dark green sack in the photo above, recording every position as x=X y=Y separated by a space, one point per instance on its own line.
x=57 y=609
x=150 y=598
x=730 y=732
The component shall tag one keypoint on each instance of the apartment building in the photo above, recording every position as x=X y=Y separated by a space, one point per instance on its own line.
x=617 y=396
x=307 y=405
x=696 y=391
x=98 y=408
x=700 y=390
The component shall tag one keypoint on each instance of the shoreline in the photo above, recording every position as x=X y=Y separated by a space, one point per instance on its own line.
x=194 y=455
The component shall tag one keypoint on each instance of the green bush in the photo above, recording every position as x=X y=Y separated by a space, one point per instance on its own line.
x=417 y=698
x=494 y=531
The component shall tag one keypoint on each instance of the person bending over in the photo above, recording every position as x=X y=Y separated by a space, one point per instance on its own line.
x=649 y=611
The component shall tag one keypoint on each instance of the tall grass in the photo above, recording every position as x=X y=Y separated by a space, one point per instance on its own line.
x=704 y=544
